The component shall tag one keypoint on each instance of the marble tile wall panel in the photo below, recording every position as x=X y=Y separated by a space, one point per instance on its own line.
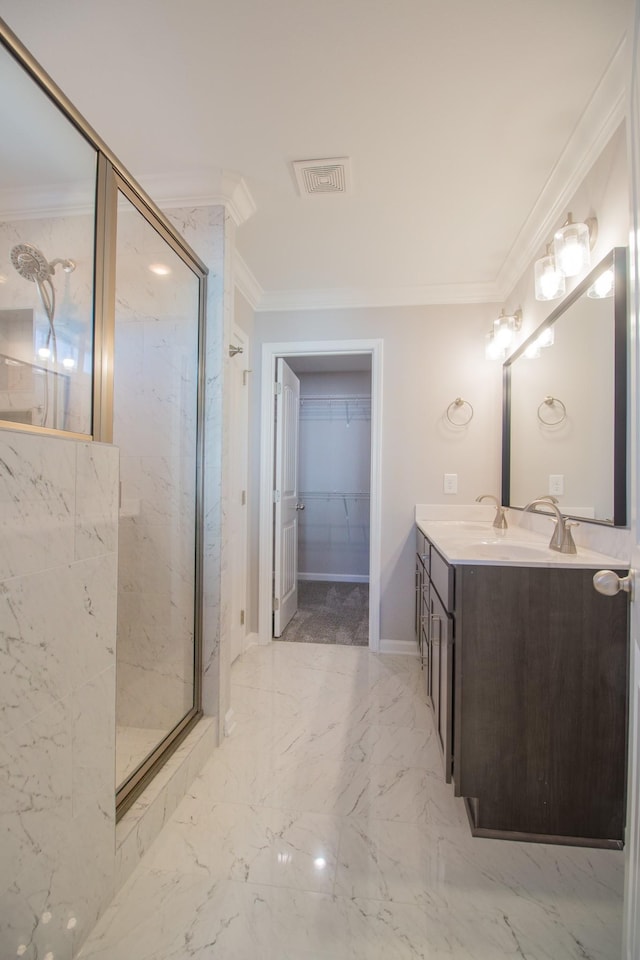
x=210 y=232
x=143 y=822
x=57 y=692
x=37 y=492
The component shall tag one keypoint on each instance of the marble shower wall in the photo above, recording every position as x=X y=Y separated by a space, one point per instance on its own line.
x=210 y=232
x=24 y=324
x=58 y=520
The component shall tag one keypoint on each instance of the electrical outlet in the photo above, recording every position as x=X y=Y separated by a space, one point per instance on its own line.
x=556 y=484
x=450 y=484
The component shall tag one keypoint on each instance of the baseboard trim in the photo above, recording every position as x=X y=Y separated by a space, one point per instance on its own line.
x=229 y=722
x=251 y=640
x=335 y=577
x=407 y=648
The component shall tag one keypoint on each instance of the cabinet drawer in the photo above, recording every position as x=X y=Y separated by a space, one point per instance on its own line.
x=442 y=578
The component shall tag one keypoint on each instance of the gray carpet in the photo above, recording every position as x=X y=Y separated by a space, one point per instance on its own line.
x=330 y=612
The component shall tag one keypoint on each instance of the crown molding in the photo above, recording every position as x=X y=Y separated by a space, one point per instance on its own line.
x=51 y=200
x=349 y=297
x=601 y=118
x=209 y=188
x=246 y=282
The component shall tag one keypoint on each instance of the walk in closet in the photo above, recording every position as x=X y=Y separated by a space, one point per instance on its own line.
x=334 y=473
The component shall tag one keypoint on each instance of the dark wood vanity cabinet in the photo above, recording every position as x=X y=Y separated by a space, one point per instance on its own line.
x=434 y=633
x=536 y=698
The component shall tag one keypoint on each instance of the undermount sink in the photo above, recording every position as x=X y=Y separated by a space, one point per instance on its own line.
x=510 y=550
x=480 y=526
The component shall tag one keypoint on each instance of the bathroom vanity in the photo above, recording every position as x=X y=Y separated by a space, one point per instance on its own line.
x=525 y=666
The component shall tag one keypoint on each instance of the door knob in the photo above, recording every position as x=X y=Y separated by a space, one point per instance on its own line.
x=299 y=506
x=609 y=583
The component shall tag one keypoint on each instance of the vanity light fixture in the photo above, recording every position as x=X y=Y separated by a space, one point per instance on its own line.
x=533 y=350
x=493 y=350
x=545 y=340
x=502 y=334
x=160 y=269
x=572 y=245
x=549 y=280
x=602 y=286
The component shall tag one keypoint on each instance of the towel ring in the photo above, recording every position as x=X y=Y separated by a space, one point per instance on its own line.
x=550 y=402
x=456 y=404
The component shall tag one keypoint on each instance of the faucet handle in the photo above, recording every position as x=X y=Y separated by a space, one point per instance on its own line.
x=568 y=543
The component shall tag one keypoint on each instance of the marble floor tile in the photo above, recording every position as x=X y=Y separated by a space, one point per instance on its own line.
x=323 y=828
x=250 y=844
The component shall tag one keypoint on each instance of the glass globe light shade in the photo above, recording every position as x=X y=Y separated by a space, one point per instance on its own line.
x=549 y=281
x=602 y=286
x=493 y=350
x=571 y=248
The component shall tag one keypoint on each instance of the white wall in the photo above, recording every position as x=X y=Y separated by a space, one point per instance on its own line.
x=604 y=194
x=431 y=356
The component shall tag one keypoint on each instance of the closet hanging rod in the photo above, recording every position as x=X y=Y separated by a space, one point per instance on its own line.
x=333 y=495
x=336 y=398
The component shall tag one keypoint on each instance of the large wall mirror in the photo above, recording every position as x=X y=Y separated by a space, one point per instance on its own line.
x=565 y=400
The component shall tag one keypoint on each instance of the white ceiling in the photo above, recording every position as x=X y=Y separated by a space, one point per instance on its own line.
x=464 y=120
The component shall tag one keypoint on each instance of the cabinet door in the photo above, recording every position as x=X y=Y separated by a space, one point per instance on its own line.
x=441 y=633
x=418 y=605
x=425 y=633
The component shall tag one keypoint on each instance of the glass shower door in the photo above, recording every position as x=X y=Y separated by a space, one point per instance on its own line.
x=155 y=425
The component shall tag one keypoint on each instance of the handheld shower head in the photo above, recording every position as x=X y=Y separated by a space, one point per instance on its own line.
x=30 y=262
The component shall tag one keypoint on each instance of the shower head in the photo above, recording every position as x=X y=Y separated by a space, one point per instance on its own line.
x=32 y=264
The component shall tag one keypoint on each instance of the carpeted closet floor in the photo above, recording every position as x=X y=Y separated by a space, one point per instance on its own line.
x=330 y=612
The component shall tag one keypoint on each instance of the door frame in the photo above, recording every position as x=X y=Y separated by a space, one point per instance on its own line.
x=238 y=511
x=304 y=348
x=631 y=921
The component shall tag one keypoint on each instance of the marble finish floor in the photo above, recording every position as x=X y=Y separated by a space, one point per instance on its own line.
x=330 y=612
x=322 y=829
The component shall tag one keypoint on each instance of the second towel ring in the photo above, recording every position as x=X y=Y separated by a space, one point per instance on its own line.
x=457 y=404
x=551 y=402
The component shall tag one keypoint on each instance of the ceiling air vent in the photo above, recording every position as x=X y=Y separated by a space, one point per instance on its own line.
x=317 y=178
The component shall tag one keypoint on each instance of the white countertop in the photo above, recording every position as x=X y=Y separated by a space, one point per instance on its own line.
x=479 y=542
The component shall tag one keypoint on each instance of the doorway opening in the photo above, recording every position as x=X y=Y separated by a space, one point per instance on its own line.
x=320 y=496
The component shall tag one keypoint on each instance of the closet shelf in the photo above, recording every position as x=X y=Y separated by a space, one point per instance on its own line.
x=334 y=407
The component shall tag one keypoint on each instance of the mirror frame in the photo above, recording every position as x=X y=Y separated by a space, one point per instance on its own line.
x=617 y=258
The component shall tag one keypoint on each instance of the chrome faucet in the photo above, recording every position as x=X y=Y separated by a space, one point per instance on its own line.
x=561 y=539
x=500 y=520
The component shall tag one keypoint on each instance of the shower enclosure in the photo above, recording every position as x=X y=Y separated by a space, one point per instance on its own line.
x=101 y=338
x=155 y=425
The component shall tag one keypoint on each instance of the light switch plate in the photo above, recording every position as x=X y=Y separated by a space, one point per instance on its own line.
x=450 y=483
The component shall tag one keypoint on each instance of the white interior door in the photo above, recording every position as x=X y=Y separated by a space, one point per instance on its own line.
x=238 y=452
x=632 y=846
x=285 y=575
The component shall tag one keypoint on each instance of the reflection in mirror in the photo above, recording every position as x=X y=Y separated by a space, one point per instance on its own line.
x=47 y=227
x=564 y=430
